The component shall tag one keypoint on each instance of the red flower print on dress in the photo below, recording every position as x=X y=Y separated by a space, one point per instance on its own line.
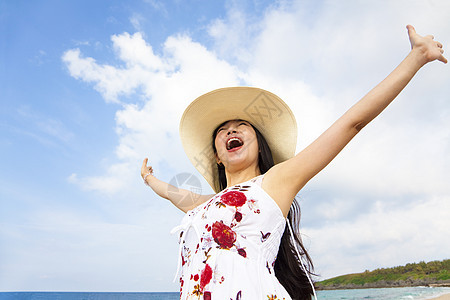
x=238 y=216
x=239 y=295
x=205 y=277
x=207 y=296
x=264 y=237
x=234 y=198
x=223 y=235
x=242 y=252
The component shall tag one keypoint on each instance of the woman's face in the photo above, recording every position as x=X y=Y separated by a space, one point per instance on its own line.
x=236 y=145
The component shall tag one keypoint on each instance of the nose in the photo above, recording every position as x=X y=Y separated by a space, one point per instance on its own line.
x=232 y=127
x=230 y=131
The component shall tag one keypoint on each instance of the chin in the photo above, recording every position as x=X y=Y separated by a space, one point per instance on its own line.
x=240 y=161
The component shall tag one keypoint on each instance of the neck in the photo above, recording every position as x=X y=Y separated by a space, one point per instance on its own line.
x=241 y=175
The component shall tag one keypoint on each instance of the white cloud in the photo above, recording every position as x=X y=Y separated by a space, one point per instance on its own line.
x=383 y=237
x=165 y=85
x=136 y=20
x=233 y=35
x=320 y=59
x=113 y=82
x=117 y=178
x=134 y=51
x=75 y=252
x=158 y=6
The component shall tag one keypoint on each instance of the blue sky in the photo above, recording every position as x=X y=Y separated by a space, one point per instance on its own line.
x=88 y=89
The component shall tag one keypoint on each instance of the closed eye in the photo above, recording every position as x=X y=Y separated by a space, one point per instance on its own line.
x=223 y=128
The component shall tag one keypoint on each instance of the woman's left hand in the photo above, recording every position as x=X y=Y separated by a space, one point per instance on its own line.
x=429 y=49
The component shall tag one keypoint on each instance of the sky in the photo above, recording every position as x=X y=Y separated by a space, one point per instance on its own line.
x=88 y=89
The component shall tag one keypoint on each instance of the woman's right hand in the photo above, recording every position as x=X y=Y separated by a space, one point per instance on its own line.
x=181 y=198
x=146 y=169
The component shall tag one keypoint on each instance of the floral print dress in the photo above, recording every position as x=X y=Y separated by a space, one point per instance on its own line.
x=228 y=246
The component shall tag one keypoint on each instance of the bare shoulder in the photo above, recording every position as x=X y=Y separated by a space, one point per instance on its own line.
x=279 y=187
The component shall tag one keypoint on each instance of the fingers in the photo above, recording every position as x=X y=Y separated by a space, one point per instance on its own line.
x=427 y=42
x=146 y=170
x=443 y=59
x=411 y=30
x=412 y=35
x=144 y=167
x=144 y=164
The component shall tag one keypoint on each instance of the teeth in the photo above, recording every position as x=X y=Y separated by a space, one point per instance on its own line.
x=231 y=140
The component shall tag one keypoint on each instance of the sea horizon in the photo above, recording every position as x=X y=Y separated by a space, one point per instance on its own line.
x=414 y=293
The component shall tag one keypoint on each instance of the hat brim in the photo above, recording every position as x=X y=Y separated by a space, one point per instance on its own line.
x=264 y=110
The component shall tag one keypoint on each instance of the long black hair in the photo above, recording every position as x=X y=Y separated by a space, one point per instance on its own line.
x=287 y=266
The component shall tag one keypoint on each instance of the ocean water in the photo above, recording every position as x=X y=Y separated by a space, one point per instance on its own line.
x=413 y=293
x=87 y=296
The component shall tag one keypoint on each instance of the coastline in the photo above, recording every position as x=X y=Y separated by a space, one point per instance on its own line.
x=442 y=297
x=384 y=284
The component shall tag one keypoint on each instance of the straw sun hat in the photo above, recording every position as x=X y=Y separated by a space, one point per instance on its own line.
x=264 y=110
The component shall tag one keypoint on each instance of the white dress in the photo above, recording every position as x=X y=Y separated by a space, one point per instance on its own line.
x=228 y=246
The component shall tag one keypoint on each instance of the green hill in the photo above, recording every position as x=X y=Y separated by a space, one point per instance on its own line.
x=433 y=273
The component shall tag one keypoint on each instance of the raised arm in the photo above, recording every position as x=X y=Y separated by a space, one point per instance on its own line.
x=183 y=199
x=285 y=180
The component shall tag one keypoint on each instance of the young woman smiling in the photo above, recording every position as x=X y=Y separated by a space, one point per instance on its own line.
x=243 y=241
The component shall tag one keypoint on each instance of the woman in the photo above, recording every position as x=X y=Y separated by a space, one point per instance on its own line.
x=237 y=243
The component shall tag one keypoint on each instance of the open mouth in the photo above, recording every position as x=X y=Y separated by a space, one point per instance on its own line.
x=234 y=143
